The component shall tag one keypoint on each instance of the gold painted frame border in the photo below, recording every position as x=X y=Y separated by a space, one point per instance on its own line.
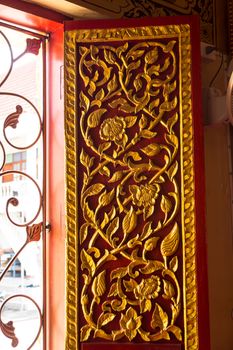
x=182 y=31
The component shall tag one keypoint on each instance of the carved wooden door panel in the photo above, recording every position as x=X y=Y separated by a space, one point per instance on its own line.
x=136 y=273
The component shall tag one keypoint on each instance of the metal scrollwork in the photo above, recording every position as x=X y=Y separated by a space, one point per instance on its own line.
x=9 y=330
x=33 y=229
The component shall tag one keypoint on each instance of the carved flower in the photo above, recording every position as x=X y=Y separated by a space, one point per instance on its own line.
x=113 y=129
x=145 y=196
x=130 y=323
x=148 y=288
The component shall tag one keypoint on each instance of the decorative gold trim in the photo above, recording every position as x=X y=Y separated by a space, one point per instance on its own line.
x=71 y=195
x=187 y=163
x=188 y=202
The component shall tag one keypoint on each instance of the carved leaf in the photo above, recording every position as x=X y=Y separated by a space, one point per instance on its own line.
x=133 y=66
x=99 y=284
x=134 y=155
x=151 y=267
x=116 y=176
x=106 y=197
x=130 y=285
x=137 y=84
x=169 y=46
x=94 y=51
x=152 y=56
x=154 y=69
x=174 y=264
x=100 y=333
x=85 y=159
x=169 y=290
x=84 y=101
x=113 y=290
x=130 y=121
x=172 y=170
x=168 y=105
x=105 y=319
x=113 y=227
x=130 y=221
x=159 y=318
x=172 y=121
x=88 y=213
x=143 y=122
x=33 y=232
x=118 y=273
x=87 y=262
x=126 y=108
x=112 y=213
x=93 y=190
x=117 y=335
x=105 y=171
x=85 y=332
x=148 y=211
x=151 y=243
x=143 y=103
x=103 y=147
x=121 y=49
x=165 y=204
x=112 y=85
x=145 y=305
x=100 y=95
x=168 y=88
x=136 y=54
x=165 y=67
x=170 y=243
x=176 y=331
x=83 y=231
x=109 y=57
x=172 y=140
x=145 y=335
x=105 y=221
x=92 y=88
x=147 y=134
x=151 y=150
x=93 y=119
x=146 y=230
x=165 y=335
x=118 y=102
x=154 y=104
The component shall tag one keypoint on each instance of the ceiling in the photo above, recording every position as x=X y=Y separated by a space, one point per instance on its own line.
x=67 y=8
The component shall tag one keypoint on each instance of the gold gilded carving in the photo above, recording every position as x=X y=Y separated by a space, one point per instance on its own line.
x=133 y=225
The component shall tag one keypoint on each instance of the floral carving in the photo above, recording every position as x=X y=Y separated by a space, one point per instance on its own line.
x=145 y=196
x=129 y=196
x=130 y=323
x=148 y=288
x=113 y=129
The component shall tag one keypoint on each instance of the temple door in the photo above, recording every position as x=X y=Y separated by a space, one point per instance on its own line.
x=136 y=270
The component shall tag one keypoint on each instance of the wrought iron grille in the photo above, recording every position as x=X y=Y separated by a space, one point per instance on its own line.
x=22 y=188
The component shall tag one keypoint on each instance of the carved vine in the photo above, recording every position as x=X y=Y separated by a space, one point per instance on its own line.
x=129 y=99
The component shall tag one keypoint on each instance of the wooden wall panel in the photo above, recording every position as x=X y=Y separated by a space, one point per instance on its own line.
x=219 y=235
